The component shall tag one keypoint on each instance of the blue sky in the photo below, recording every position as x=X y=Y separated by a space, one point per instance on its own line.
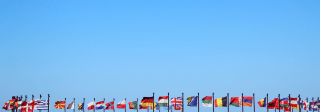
x=130 y=49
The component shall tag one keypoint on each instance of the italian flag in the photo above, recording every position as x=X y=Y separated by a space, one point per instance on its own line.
x=207 y=101
x=163 y=101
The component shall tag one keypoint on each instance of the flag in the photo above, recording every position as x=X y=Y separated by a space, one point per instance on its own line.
x=5 y=106
x=235 y=101
x=221 y=102
x=71 y=105
x=304 y=104
x=91 y=105
x=156 y=105
x=12 y=104
x=284 y=104
x=294 y=103
x=177 y=103
x=32 y=105
x=133 y=105
x=262 y=103
x=273 y=103
x=163 y=101
x=146 y=101
x=122 y=104
x=247 y=101
x=24 y=106
x=110 y=105
x=141 y=107
x=192 y=101
x=318 y=103
x=207 y=101
x=313 y=106
x=42 y=105
x=100 y=105
x=80 y=106
x=60 y=104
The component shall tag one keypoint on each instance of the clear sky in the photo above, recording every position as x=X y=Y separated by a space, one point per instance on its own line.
x=130 y=49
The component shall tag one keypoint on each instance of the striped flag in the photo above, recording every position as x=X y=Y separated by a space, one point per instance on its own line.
x=71 y=105
x=42 y=105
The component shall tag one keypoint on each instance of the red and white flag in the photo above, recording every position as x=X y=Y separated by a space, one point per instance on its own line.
x=91 y=105
x=5 y=106
x=122 y=104
x=32 y=105
x=71 y=105
x=24 y=106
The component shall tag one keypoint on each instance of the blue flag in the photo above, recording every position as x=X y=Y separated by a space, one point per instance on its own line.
x=192 y=101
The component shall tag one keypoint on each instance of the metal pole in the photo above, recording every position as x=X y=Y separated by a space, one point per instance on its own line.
x=74 y=104
x=289 y=103
x=94 y=103
x=242 y=101
x=228 y=101
x=113 y=105
x=267 y=103
x=299 y=103
x=212 y=102
x=125 y=107
x=319 y=102
x=153 y=103
x=137 y=105
x=16 y=101
x=48 y=102
x=84 y=99
x=65 y=100
x=307 y=107
x=104 y=100
x=254 y=104
x=182 y=103
x=279 y=102
x=40 y=101
x=168 y=102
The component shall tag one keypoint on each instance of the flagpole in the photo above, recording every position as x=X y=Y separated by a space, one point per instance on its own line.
x=254 y=104
x=137 y=105
x=168 y=102
x=65 y=100
x=48 y=102
x=289 y=103
x=94 y=103
x=27 y=103
x=16 y=102
x=153 y=103
x=113 y=105
x=74 y=104
x=212 y=102
x=40 y=101
x=299 y=103
x=125 y=107
x=104 y=109
x=317 y=104
x=228 y=101
x=242 y=101
x=306 y=105
x=267 y=103
x=279 y=102
x=84 y=99
x=312 y=106
x=182 y=103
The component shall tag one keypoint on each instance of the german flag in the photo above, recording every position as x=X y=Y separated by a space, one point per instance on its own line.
x=221 y=102
x=146 y=101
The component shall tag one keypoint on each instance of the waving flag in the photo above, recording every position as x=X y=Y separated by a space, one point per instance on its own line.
x=91 y=105
x=24 y=106
x=192 y=101
x=100 y=105
x=156 y=105
x=80 y=106
x=5 y=107
x=177 y=103
x=121 y=104
x=110 y=105
x=32 y=105
x=294 y=103
x=163 y=101
x=42 y=105
x=133 y=105
x=207 y=101
x=71 y=105
x=60 y=104
x=313 y=106
x=146 y=101
x=262 y=103
x=221 y=102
